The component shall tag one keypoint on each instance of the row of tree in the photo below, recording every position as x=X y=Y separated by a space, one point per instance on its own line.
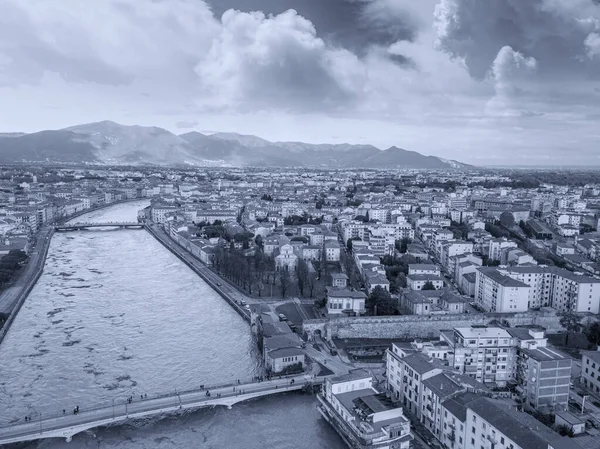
x=256 y=273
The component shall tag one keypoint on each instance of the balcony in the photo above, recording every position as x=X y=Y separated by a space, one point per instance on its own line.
x=492 y=440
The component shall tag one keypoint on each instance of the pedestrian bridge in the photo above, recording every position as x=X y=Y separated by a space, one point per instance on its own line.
x=69 y=424
x=112 y=224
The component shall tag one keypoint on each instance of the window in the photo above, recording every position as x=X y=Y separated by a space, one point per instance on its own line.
x=501 y=440
x=473 y=429
x=472 y=440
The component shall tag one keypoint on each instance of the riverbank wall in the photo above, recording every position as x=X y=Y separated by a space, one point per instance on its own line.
x=197 y=267
x=29 y=278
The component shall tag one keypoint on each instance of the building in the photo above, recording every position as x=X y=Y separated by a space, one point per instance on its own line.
x=284 y=359
x=418 y=281
x=590 y=370
x=363 y=417
x=160 y=212
x=286 y=259
x=430 y=302
x=415 y=268
x=575 y=292
x=339 y=280
x=491 y=424
x=496 y=292
x=332 y=251
x=343 y=300
x=487 y=354
x=543 y=373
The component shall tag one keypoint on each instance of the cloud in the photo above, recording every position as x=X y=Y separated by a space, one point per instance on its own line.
x=510 y=73
x=592 y=43
x=186 y=124
x=355 y=25
x=551 y=31
x=278 y=62
x=114 y=43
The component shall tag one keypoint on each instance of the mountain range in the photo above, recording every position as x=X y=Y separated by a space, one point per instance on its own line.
x=111 y=143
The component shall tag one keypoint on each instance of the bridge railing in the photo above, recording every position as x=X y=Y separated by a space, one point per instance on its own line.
x=121 y=405
x=90 y=418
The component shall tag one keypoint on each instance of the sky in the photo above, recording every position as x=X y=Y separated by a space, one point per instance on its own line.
x=494 y=82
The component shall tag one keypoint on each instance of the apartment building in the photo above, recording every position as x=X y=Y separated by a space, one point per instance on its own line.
x=539 y=279
x=543 y=373
x=404 y=374
x=496 y=246
x=590 y=370
x=451 y=248
x=575 y=292
x=491 y=424
x=487 y=354
x=497 y=292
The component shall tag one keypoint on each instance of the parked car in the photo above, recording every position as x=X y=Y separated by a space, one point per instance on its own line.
x=282 y=317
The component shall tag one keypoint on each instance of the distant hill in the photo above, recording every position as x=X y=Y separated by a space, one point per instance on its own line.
x=111 y=143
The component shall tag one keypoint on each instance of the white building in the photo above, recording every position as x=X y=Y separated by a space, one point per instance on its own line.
x=487 y=354
x=575 y=292
x=286 y=259
x=496 y=292
x=361 y=415
x=416 y=268
x=343 y=300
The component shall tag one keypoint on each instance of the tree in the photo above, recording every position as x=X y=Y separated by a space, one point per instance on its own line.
x=507 y=219
x=398 y=283
x=301 y=275
x=402 y=245
x=349 y=245
x=259 y=242
x=284 y=281
x=571 y=322
x=428 y=286
x=592 y=332
x=311 y=283
x=380 y=302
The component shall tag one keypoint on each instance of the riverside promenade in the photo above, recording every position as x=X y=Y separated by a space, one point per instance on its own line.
x=67 y=424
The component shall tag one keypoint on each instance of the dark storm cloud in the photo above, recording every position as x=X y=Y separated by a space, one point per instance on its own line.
x=353 y=24
x=559 y=34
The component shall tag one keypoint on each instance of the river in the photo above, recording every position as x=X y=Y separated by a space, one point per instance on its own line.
x=115 y=314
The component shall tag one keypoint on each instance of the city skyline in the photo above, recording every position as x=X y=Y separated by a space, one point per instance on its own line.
x=494 y=83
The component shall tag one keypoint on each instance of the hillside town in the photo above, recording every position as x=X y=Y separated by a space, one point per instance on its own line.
x=476 y=293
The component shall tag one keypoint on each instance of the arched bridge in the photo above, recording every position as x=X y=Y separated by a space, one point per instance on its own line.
x=67 y=424
x=112 y=224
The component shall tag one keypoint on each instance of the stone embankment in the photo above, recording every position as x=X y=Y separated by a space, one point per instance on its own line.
x=421 y=326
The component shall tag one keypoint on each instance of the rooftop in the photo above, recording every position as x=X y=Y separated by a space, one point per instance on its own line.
x=500 y=278
x=545 y=354
x=421 y=363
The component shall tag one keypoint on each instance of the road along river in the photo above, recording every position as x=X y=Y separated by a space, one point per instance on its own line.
x=116 y=315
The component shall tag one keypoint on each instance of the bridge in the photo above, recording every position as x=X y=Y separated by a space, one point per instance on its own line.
x=68 y=424
x=112 y=224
